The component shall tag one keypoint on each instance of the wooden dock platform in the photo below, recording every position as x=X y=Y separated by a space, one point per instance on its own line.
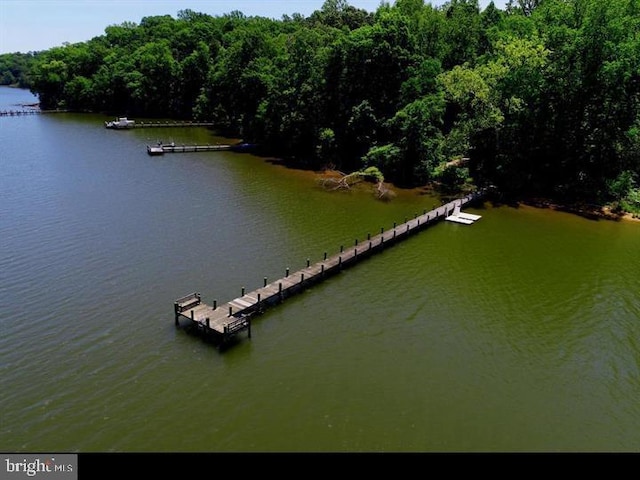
x=224 y=321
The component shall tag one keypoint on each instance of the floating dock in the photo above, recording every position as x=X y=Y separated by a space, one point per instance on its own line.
x=223 y=322
x=464 y=218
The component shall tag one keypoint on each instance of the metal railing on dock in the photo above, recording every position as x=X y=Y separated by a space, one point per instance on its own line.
x=224 y=321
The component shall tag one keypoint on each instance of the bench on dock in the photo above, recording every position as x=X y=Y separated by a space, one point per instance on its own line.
x=187 y=302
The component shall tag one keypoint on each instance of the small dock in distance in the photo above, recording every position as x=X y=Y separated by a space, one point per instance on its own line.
x=124 y=123
x=171 y=124
x=30 y=111
x=223 y=322
x=161 y=148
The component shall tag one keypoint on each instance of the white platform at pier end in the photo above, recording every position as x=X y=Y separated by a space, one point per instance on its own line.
x=464 y=218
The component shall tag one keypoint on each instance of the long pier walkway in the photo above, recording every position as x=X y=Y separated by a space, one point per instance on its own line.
x=224 y=321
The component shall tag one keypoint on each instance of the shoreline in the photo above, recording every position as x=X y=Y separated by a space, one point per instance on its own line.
x=593 y=212
x=585 y=210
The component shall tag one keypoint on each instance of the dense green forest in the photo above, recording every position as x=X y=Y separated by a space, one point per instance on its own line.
x=542 y=97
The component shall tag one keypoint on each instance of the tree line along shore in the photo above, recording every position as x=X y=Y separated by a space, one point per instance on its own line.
x=542 y=97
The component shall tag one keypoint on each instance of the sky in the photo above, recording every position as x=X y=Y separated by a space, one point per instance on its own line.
x=33 y=25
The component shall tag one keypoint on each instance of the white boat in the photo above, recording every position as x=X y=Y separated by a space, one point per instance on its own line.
x=121 y=122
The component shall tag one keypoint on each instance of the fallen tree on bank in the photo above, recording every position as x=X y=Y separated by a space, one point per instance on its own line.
x=336 y=180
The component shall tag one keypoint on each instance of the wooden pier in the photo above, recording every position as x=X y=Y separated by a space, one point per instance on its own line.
x=172 y=124
x=34 y=111
x=162 y=149
x=223 y=322
x=123 y=123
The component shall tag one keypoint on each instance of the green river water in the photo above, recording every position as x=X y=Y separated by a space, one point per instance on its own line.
x=518 y=333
